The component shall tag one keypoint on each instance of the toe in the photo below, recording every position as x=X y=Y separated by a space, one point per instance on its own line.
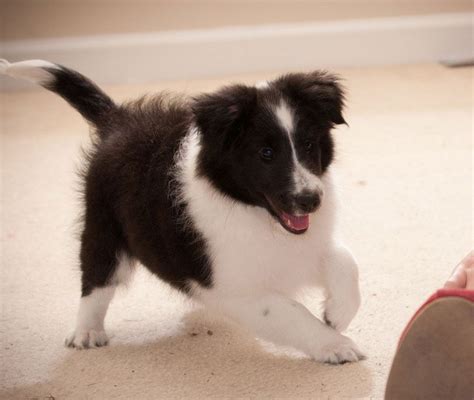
x=87 y=339
x=98 y=338
x=341 y=352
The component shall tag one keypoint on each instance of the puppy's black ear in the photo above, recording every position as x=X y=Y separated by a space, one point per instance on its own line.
x=220 y=113
x=317 y=91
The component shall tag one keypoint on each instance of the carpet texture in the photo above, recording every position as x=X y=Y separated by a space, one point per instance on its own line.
x=405 y=173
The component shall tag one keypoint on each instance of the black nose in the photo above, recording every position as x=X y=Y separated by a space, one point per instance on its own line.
x=307 y=201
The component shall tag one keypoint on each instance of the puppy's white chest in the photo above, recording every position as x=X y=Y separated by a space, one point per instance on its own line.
x=251 y=252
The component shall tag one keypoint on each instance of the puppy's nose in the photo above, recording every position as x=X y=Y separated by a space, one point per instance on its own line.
x=307 y=202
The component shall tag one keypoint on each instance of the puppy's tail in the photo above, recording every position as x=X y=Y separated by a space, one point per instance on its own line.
x=80 y=92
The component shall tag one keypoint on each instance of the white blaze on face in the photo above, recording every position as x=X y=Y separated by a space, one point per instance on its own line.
x=304 y=180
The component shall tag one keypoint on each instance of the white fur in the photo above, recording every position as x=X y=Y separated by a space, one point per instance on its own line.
x=89 y=331
x=303 y=179
x=31 y=70
x=341 y=277
x=262 y=85
x=256 y=276
x=124 y=271
x=286 y=119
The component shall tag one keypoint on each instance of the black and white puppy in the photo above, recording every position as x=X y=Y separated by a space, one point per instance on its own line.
x=227 y=196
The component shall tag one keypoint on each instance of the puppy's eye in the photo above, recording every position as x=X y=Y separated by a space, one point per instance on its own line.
x=266 y=153
x=308 y=146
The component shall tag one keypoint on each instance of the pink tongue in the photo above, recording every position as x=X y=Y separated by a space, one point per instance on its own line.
x=295 y=222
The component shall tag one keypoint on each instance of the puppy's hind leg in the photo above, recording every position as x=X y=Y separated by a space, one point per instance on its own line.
x=104 y=265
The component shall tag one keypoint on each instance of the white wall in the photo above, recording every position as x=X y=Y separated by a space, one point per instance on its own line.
x=34 y=19
x=116 y=41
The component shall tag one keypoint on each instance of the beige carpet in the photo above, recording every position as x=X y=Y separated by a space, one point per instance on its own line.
x=405 y=168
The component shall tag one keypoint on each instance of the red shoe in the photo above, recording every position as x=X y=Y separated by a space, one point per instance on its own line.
x=435 y=355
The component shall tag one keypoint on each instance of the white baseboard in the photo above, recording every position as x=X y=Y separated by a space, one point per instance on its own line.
x=148 y=57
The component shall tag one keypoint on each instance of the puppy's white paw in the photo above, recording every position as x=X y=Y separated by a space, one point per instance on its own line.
x=339 y=351
x=83 y=339
x=339 y=314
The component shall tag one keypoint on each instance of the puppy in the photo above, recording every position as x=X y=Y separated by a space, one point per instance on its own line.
x=226 y=196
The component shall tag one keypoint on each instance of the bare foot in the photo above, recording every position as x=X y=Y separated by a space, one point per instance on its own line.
x=463 y=275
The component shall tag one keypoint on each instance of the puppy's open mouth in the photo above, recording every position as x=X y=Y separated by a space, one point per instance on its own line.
x=296 y=224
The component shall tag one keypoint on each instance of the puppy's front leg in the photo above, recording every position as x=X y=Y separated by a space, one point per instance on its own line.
x=286 y=322
x=342 y=286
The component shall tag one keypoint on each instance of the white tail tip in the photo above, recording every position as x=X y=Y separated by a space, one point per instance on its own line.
x=4 y=64
x=31 y=70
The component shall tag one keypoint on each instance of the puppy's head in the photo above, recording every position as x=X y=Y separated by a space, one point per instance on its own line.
x=269 y=146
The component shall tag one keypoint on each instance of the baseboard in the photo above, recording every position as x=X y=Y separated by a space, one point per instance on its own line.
x=142 y=58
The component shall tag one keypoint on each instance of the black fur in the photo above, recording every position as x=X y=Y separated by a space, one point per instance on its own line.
x=129 y=183
x=128 y=204
x=84 y=95
x=318 y=94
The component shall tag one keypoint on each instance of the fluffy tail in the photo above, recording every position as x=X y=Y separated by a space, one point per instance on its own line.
x=80 y=92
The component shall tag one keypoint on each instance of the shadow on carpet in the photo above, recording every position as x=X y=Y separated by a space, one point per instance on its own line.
x=211 y=359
